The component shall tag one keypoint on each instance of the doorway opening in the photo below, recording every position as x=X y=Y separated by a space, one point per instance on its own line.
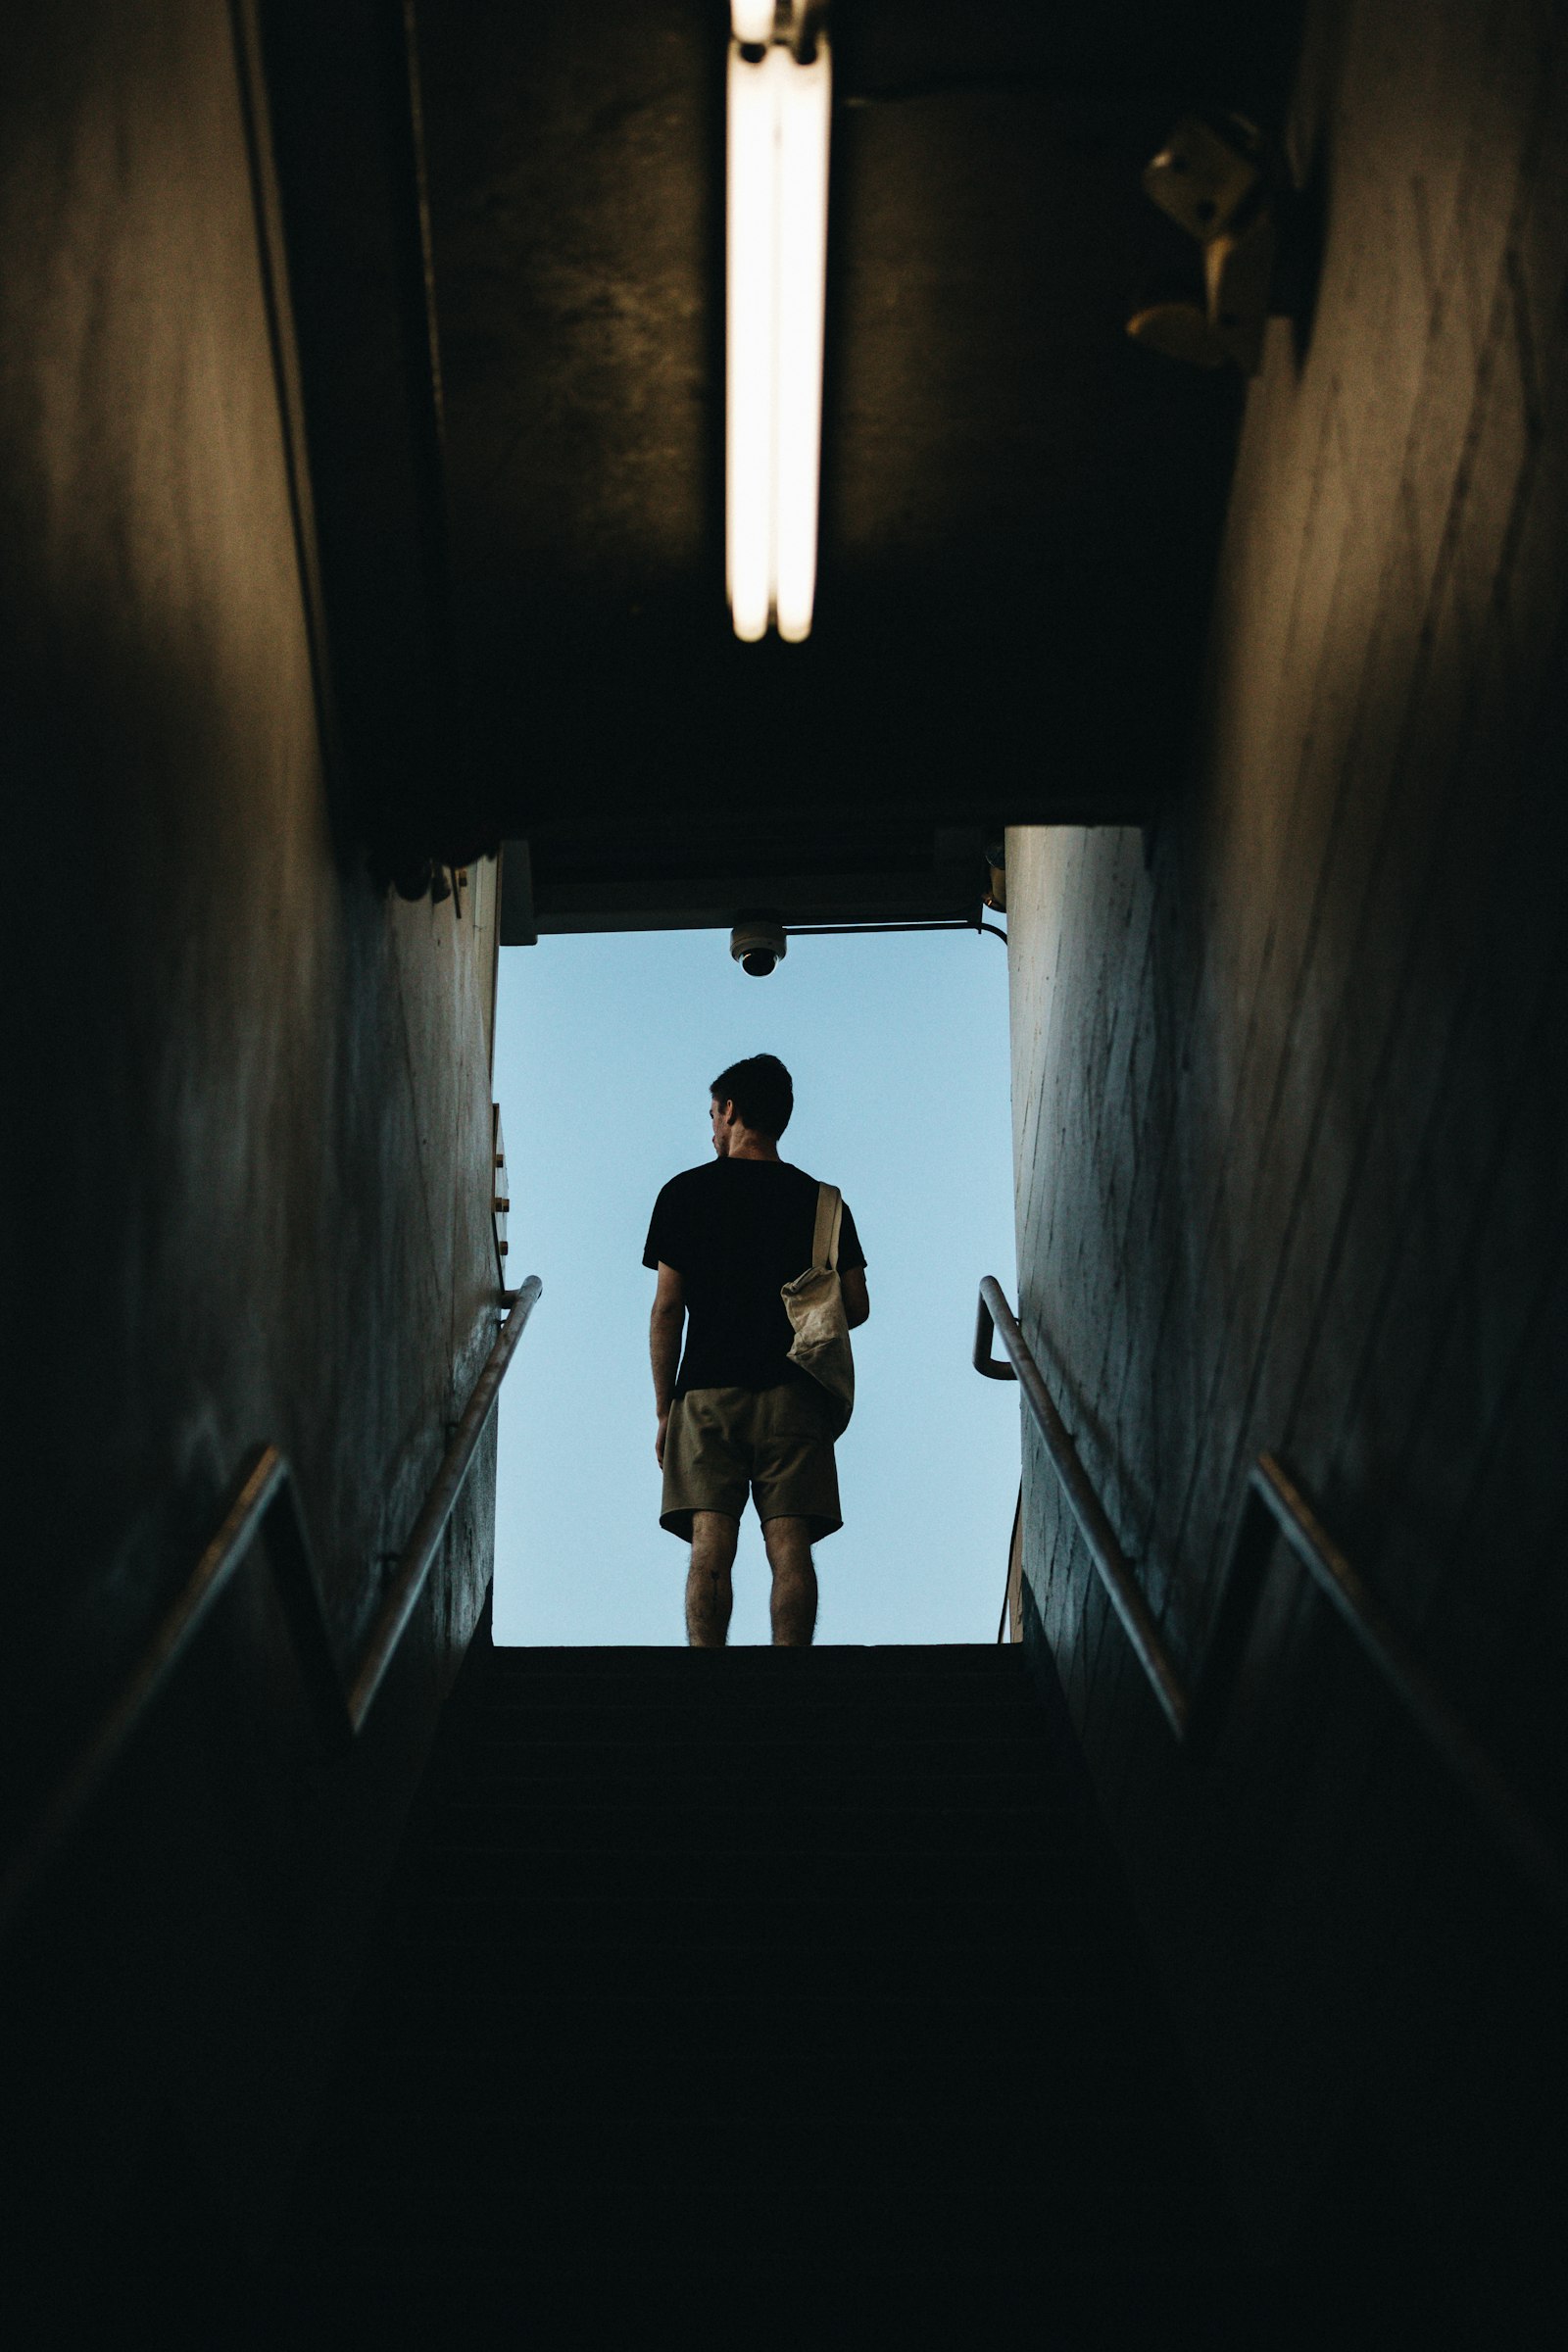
x=605 y=1044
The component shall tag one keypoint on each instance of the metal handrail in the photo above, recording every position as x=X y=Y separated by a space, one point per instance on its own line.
x=264 y=1497
x=1274 y=1504
x=1115 y=1571
x=430 y=1526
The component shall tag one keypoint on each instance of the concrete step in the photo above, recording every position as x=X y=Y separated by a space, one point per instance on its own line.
x=989 y=2292
x=891 y=1711
x=852 y=2014
x=768 y=1922
x=461 y=1965
x=1003 y=1819
x=465 y=2096
x=833 y=1977
x=851 y=1763
x=814 y=2153
x=925 y=1662
x=694 y=1871
x=1095 y=2188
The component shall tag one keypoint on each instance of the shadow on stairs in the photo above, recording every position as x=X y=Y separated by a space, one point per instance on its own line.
x=720 y=1988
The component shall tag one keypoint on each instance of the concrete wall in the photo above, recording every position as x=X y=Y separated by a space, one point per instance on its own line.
x=1290 y=1160
x=248 y=1148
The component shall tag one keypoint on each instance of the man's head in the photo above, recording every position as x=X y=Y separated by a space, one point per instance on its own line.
x=756 y=1095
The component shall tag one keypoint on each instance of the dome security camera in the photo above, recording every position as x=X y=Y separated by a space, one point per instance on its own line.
x=758 y=943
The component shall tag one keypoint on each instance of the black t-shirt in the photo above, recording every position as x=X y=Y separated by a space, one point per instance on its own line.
x=736 y=1230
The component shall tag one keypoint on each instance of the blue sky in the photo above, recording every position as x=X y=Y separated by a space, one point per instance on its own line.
x=605 y=1047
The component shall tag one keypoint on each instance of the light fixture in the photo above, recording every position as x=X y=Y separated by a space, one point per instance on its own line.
x=779 y=103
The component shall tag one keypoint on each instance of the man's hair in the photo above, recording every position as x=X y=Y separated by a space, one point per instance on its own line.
x=762 y=1091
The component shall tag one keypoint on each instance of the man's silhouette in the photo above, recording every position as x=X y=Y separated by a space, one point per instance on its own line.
x=738 y=1417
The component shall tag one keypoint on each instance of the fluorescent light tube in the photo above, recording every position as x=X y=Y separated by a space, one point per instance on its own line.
x=749 y=331
x=779 y=112
x=804 y=103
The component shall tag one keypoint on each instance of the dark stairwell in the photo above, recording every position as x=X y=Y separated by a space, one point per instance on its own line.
x=746 y=1981
x=1290 y=1175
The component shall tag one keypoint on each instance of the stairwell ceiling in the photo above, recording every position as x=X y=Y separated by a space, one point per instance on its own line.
x=1019 y=509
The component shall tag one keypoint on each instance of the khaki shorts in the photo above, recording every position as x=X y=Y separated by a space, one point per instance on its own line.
x=722 y=1444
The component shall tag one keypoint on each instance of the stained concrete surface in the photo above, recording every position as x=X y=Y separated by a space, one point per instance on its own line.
x=1290 y=1160
x=1019 y=505
x=247 y=1166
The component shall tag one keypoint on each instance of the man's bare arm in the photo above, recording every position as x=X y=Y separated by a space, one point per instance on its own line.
x=664 y=1347
x=857 y=1298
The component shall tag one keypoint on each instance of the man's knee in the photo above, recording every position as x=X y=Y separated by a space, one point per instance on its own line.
x=788 y=1541
x=713 y=1538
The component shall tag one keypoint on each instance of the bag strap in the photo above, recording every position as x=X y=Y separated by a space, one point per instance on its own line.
x=829 y=1217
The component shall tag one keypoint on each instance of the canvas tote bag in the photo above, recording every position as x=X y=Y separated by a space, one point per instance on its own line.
x=815 y=1304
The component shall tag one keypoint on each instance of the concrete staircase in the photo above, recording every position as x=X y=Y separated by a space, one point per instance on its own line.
x=750 y=1974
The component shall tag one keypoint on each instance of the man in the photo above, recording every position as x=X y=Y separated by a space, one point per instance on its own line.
x=738 y=1417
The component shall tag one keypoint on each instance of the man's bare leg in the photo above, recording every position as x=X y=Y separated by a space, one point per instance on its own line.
x=794 y=1601
x=710 y=1595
